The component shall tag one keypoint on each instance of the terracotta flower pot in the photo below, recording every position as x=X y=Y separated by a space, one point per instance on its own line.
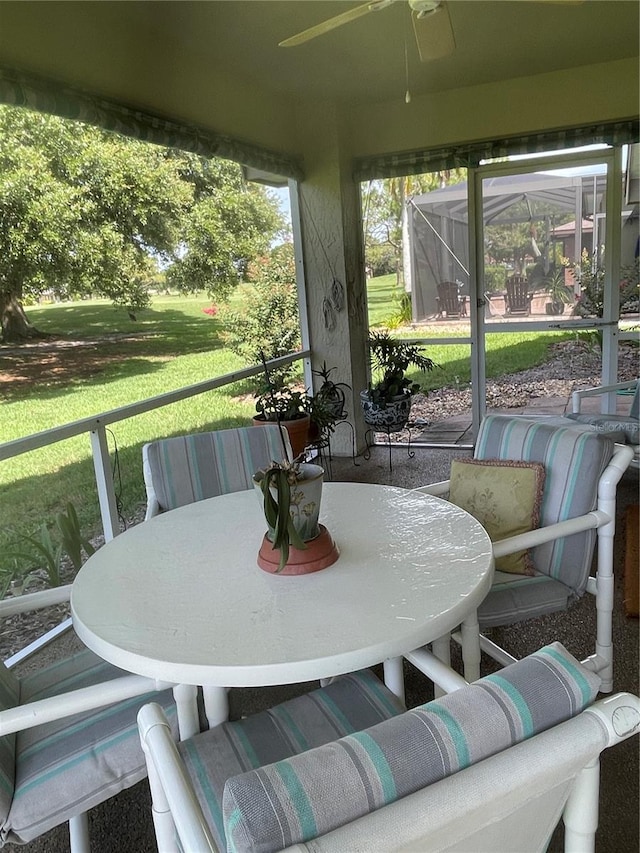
x=298 y=430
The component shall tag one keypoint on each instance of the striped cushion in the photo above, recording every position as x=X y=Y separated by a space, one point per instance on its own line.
x=514 y=598
x=69 y=766
x=312 y=793
x=351 y=703
x=190 y=468
x=9 y=698
x=573 y=460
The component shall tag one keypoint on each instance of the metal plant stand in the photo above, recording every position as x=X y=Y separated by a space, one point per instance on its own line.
x=323 y=445
x=370 y=434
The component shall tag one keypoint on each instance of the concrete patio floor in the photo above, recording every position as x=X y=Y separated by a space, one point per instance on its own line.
x=124 y=823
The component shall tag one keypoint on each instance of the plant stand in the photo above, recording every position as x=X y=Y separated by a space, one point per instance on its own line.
x=369 y=438
x=323 y=446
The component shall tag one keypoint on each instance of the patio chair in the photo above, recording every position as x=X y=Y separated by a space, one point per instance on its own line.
x=517 y=297
x=68 y=736
x=623 y=428
x=491 y=766
x=545 y=568
x=449 y=302
x=178 y=471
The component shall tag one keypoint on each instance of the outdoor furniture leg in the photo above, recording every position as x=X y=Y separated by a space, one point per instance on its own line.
x=186 y=696
x=394 y=676
x=216 y=705
x=470 y=632
x=441 y=649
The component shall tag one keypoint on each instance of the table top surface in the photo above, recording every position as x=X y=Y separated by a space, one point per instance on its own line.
x=181 y=598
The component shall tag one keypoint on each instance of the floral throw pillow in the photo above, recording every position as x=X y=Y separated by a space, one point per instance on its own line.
x=505 y=497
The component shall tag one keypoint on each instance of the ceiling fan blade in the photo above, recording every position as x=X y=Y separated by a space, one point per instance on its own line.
x=337 y=21
x=434 y=34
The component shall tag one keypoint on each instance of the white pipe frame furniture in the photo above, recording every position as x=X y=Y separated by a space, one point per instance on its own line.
x=601 y=586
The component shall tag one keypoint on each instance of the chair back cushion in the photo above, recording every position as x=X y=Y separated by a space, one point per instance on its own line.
x=574 y=460
x=312 y=793
x=190 y=468
x=68 y=766
x=9 y=698
x=350 y=703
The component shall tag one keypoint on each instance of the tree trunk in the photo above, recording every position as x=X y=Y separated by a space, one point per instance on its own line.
x=14 y=323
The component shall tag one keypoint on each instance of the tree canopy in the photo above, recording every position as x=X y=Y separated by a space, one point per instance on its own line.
x=87 y=212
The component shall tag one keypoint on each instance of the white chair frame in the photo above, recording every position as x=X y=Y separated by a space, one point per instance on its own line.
x=578 y=396
x=556 y=773
x=601 y=586
x=33 y=714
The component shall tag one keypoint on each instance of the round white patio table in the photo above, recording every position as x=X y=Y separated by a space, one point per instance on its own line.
x=180 y=597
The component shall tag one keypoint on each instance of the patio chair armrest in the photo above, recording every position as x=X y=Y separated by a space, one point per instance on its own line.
x=578 y=396
x=166 y=768
x=35 y=600
x=76 y=702
x=619 y=714
x=540 y=535
x=435 y=489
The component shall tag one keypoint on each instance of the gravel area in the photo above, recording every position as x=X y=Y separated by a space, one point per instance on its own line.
x=573 y=365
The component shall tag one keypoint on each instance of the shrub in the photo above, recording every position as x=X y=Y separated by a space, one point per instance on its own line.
x=266 y=319
x=591 y=279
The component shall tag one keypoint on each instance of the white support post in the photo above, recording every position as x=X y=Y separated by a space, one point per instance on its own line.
x=216 y=705
x=104 y=481
x=79 y=833
x=186 y=698
x=393 y=670
x=441 y=648
x=580 y=815
x=470 y=633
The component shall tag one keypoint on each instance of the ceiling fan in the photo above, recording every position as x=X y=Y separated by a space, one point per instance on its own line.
x=431 y=24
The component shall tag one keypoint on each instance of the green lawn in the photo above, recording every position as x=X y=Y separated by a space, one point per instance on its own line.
x=171 y=345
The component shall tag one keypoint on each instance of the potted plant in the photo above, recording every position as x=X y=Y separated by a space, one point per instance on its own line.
x=291 y=493
x=277 y=402
x=387 y=401
x=330 y=392
x=326 y=406
x=559 y=294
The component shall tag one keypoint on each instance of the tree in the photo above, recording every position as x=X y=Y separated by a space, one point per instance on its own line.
x=229 y=224
x=386 y=220
x=84 y=211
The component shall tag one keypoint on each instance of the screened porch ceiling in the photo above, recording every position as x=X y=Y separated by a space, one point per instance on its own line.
x=163 y=55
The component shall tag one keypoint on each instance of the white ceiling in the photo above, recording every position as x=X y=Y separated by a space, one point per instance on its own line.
x=89 y=43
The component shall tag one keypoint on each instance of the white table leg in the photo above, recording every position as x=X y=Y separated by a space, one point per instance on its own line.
x=186 y=696
x=441 y=649
x=216 y=705
x=470 y=633
x=394 y=676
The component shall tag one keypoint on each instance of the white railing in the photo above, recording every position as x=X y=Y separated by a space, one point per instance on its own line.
x=96 y=427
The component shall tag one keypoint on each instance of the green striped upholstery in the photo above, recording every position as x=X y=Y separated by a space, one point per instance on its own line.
x=312 y=793
x=67 y=767
x=574 y=459
x=9 y=698
x=623 y=428
x=190 y=468
x=349 y=704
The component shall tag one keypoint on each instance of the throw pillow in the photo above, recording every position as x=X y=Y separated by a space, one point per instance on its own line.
x=505 y=496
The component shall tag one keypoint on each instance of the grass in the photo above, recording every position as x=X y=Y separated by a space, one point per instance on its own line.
x=172 y=345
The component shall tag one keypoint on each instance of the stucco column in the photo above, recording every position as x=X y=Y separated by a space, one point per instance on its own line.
x=333 y=261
